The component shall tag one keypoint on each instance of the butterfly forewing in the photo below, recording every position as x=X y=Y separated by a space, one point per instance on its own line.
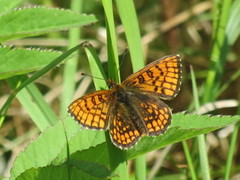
x=161 y=77
x=92 y=110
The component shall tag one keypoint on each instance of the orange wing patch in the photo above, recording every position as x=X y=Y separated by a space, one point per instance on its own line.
x=161 y=77
x=154 y=113
x=123 y=131
x=156 y=119
x=92 y=110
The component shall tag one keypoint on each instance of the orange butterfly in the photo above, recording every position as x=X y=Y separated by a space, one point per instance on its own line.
x=133 y=109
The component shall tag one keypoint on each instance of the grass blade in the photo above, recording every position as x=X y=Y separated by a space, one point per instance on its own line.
x=70 y=67
x=189 y=160
x=130 y=22
x=201 y=138
x=219 y=49
x=113 y=61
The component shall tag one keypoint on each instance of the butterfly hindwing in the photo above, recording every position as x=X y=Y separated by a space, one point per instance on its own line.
x=123 y=130
x=155 y=115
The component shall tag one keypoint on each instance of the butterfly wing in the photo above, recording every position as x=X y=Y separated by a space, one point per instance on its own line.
x=123 y=132
x=161 y=77
x=155 y=115
x=92 y=110
x=140 y=115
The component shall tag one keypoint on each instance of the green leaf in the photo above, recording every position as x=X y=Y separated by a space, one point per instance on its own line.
x=233 y=25
x=97 y=153
x=83 y=145
x=96 y=67
x=89 y=145
x=6 y=5
x=184 y=126
x=36 y=75
x=113 y=61
x=43 y=150
x=33 y=102
x=129 y=20
x=50 y=147
x=46 y=173
x=91 y=168
x=39 y=20
x=79 y=170
x=22 y=61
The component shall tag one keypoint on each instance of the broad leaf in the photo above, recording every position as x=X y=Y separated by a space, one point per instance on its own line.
x=39 y=20
x=184 y=126
x=6 y=5
x=22 y=61
x=89 y=145
x=77 y=170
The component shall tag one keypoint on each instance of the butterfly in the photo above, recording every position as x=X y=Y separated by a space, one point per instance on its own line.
x=134 y=108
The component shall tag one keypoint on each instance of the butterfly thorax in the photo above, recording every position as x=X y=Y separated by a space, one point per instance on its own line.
x=120 y=93
x=118 y=90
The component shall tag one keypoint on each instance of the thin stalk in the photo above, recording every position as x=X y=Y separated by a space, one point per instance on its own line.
x=117 y=157
x=201 y=138
x=70 y=67
x=140 y=165
x=113 y=61
x=232 y=148
x=189 y=160
x=219 y=49
x=129 y=20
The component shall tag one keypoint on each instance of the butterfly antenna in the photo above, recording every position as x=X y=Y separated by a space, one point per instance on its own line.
x=92 y=76
x=122 y=58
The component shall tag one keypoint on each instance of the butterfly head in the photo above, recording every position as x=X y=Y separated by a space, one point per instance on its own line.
x=111 y=83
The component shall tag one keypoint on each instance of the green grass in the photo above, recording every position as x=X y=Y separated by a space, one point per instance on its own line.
x=201 y=138
x=65 y=150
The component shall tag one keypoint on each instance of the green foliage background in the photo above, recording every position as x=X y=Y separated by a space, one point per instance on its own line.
x=40 y=72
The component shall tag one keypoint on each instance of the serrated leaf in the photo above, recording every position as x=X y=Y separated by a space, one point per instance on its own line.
x=61 y=173
x=6 y=5
x=97 y=154
x=184 y=126
x=22 y=61
x=82 y=140
x=83 y=165
x=46 y=173
x=52 y=142
x=91 y=168
x=89 y=145
x=39 y=20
